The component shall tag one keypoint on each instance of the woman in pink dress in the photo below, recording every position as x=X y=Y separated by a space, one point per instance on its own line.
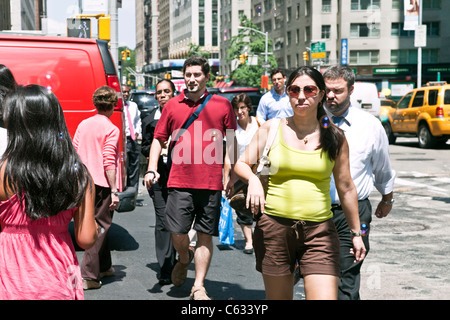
x=43 y=185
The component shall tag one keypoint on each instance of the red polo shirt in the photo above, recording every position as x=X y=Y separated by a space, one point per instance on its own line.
x=197 y=157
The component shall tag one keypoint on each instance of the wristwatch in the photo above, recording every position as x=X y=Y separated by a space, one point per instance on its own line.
x=116 y=193
x=356 y=234
x=388 y=202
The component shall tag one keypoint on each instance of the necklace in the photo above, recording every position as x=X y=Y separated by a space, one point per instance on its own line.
x=305 y=139
x=307 y=136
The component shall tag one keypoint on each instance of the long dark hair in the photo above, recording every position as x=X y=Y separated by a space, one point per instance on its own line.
x=40 y=161
x=331 y=137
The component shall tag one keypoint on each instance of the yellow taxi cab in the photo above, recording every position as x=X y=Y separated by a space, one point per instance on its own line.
x=423 y=112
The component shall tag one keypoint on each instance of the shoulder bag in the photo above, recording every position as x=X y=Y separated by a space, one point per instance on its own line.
x=188 y=122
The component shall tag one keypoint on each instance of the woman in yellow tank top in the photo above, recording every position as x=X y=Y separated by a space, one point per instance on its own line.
x=296 y=225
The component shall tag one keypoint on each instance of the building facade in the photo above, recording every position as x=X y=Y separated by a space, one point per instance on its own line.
x=367 y=35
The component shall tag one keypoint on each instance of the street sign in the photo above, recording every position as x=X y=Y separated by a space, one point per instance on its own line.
x=79 y=28
x=318 y=50
x=344 y=52
x=420 y=36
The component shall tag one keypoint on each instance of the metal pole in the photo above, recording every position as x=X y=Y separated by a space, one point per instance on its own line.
x=114 y=31
x=419 y=51
x=267 y=52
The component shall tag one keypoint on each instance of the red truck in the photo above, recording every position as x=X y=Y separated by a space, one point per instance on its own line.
x=73 y=68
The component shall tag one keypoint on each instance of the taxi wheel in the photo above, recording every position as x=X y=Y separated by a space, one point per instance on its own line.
x=389 y=133
x=426 y=140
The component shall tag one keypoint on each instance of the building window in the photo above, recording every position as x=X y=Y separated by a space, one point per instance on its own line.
x=363 y=4
x=431 y=4
x=409 y=56
x=326 y=32
x=326 y=6
x=362 y=30
x=433 y=29
x=364 y=57
x=398 y=31
x=397 y=4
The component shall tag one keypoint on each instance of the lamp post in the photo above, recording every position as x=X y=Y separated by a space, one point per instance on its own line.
x=266 y=34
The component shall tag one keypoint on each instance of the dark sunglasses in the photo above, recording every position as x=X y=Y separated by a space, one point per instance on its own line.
x=308 y=91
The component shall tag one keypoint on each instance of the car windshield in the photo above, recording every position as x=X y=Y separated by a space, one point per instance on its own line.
x=144 y=100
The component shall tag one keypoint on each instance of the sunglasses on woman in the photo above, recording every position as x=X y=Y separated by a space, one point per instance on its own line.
x=309 y=91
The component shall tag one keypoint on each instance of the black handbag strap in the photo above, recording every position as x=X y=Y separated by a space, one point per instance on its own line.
x=192 y=118
x=184 y=127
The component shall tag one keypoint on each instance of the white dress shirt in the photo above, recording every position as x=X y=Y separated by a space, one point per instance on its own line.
x=369 y=154
x=135 y=118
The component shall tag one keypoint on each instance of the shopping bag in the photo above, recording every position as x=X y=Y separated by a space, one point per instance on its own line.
x=226 y=229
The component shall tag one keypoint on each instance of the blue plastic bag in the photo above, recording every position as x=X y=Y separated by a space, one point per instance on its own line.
x=226 y=229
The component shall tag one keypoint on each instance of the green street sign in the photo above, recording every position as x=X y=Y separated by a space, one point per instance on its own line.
x=317 y=47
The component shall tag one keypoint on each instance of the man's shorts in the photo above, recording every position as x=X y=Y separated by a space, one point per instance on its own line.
x=280 y=242
x=187 y=206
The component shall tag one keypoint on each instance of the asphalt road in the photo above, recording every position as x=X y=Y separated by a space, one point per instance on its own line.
x=408 y=258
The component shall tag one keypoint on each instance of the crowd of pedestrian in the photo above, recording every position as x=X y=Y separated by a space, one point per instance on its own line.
x=330 y=151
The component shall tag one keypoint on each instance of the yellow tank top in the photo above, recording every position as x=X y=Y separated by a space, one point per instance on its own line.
x=299 y=184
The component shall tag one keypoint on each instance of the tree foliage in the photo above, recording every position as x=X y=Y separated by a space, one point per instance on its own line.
x=253 y=43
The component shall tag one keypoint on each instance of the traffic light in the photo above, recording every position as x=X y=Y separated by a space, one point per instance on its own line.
x=246 y=58
x=128 y=55
x=123 y=55
x=241 y=59
x=305 y=56
x=104 y=28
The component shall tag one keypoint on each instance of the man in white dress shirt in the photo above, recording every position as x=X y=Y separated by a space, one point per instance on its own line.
x=133 y=129
x=369 y=166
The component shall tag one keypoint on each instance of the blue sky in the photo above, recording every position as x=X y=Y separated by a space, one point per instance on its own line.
x=59 y=10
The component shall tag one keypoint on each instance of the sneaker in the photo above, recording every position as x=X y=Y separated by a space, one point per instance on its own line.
x=179 y=272
x=91 y=284
x=199 y=293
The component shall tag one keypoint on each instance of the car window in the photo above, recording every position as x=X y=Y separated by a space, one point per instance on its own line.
x=447 y=97
x=404 y=103
x=432 y=97
x=418 y=99
x=144 y=100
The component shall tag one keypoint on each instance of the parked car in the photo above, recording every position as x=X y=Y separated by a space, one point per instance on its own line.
x=423 y=112
x=73 y=68
x=365 y=96
x=145 y=100
x=230 y=92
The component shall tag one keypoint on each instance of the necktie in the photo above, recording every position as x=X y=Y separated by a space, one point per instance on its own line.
x=337 y=120
x=130 y=125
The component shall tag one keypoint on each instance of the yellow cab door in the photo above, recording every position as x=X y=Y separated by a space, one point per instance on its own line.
x=400 y=114
x=413 y=112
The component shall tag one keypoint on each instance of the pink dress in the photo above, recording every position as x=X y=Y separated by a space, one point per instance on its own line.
x=37 y=257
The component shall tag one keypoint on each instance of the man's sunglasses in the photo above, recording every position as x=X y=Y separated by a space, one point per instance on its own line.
x=308 y=91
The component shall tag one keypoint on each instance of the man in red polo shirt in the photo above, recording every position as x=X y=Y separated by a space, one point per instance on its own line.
x=195 y=181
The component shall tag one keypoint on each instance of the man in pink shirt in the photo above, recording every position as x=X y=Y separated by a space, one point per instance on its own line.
x=195 y=180
x=97 y=143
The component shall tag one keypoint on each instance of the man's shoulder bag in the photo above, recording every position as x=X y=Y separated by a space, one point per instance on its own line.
x=188 y=122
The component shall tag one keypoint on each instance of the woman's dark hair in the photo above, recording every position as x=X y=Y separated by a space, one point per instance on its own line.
x=197 y=61
x=172 y=86
x=41 y=164
x=105 y=98
x=242 y=97
x=7 y=84
x=331 y=137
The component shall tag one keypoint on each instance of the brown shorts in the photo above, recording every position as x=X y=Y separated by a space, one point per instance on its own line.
x=280 y=242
